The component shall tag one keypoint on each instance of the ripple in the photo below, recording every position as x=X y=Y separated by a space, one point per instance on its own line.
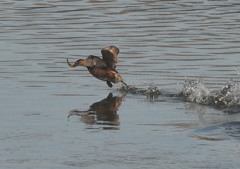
x=220 y=132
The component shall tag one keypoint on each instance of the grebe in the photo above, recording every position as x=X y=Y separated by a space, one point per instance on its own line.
x=103 y=69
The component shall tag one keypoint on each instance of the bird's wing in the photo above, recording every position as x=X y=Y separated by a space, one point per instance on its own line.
x=110 y=56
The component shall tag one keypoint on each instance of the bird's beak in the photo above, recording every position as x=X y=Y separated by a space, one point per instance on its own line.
x=72 y=65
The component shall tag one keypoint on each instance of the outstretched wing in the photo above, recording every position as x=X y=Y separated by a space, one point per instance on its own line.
x=110 y=56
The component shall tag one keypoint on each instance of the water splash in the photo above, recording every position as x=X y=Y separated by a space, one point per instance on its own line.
x=151 y=91
x=228 y=96
x=195 y=91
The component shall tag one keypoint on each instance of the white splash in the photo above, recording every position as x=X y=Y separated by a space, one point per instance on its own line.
x=195 y=91
x=228 y=96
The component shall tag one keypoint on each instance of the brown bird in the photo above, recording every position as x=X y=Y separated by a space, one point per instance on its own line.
x=103 y=69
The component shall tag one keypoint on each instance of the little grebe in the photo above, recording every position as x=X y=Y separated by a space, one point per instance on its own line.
x=103 y=69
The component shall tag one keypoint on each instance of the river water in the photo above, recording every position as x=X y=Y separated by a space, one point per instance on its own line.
x=181 y=59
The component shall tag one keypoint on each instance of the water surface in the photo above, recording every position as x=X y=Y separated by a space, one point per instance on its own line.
x=162 y=44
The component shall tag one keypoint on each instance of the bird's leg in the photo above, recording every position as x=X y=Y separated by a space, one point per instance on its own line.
x=125 y=84
x=109 y=84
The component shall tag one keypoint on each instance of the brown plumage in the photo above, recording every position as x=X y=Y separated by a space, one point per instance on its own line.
x=103 y=69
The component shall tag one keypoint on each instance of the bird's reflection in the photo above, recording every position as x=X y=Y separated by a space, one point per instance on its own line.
x=103 y=112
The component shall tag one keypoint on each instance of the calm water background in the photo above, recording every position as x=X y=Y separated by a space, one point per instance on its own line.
x=161 y=43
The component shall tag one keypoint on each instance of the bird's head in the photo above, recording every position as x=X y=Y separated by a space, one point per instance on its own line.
x=79 y=62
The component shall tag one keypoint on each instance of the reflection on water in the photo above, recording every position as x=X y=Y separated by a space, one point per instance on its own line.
x=103 y=112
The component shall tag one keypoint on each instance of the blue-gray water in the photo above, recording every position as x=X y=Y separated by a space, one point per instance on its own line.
x=163 y=44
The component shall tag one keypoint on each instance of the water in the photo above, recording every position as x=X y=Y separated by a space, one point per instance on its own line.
x=181 y=59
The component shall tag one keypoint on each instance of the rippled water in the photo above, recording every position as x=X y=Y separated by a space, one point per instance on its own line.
x=180 y=57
